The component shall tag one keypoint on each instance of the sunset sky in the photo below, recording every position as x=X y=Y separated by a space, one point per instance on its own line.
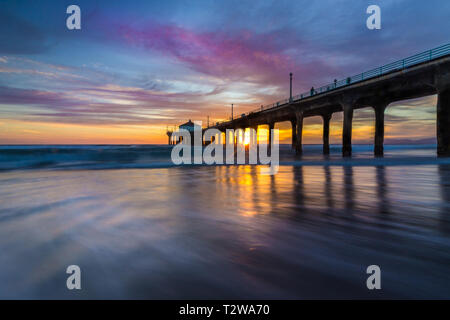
x=136 y=67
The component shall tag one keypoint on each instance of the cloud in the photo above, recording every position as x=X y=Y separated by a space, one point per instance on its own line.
x=19 y=36
x=239 y=55
x=234 y=56
x=160 y=64
x=100 y=105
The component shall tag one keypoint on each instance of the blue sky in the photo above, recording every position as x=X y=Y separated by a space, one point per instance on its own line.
x=137 y=66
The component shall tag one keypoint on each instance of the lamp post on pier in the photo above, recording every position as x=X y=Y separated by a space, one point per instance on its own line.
x=290 y=87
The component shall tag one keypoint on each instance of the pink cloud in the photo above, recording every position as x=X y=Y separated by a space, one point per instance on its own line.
x=148 y=107
x=244 y=55
x=264 y=59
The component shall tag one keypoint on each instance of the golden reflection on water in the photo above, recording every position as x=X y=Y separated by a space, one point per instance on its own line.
x=162 y=221
x=357 y=190
x=312 y=187
x=115 y=196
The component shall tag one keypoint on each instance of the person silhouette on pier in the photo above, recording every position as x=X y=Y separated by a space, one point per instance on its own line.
x=312 y=91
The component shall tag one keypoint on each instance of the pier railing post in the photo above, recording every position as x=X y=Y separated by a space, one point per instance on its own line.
x=347 y=130
x=299 y=132
x=443 y=123
x=326 y=133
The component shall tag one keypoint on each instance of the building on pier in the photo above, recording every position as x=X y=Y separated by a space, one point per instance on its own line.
x=188 y=126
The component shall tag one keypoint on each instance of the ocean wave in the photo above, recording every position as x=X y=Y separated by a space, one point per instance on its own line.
x=98 y=157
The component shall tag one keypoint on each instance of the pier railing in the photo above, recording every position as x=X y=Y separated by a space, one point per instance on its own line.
x=394 y=66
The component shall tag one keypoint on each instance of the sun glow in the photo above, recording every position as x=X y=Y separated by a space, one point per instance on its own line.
x=247 y=137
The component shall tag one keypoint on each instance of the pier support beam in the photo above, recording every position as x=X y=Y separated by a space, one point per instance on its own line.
x=326 y=133
x=270 y=141
x=299 y=132
x=443 y=123
x=294 y=132
x=347 y=130
x=271 y=127
x=256 y=130
x=379 y=129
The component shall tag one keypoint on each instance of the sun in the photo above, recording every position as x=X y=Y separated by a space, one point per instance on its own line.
x=247 y=138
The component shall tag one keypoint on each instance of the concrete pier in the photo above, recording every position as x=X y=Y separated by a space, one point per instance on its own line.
x=294 y=132
x=347 y=130
x=270 y=138
x=443 y=123
x=169 y=136
x=428 y=74
x=299 y=133
x=326 y=133
x=379 y=129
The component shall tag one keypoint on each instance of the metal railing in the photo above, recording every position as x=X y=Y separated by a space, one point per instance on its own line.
x=394 y=66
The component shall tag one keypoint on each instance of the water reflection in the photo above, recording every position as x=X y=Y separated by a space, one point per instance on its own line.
x=444 y=176
x=227 y=232
x=298 y=187
x=328 y=186
x=349 y=189
x=382 y=190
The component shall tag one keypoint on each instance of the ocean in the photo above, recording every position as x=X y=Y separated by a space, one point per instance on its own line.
x=140 y=227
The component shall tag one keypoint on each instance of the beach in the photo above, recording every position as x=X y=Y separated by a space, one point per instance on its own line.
x=140 y=227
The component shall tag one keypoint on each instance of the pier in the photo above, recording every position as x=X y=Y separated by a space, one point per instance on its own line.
x=426 y=73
